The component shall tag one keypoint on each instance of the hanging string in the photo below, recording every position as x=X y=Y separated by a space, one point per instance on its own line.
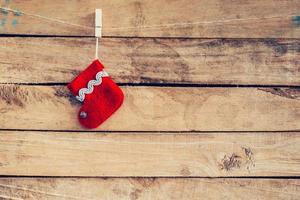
x=44 y=18
x=201 y=22
x=97 y=48
x=149 y=27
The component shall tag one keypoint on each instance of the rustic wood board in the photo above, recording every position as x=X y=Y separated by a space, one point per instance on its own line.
x=215 y=18
x=193 y=61
x=148 y=188
x=149 y=154
x=157 y=109
x=184 y=128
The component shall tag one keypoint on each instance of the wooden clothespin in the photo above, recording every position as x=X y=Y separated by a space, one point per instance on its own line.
x=98 y=28
x=98 y=23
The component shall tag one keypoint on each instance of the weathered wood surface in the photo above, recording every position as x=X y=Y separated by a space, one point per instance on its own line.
x=148 y=188
x=178 y=147
x=196 y=61
x=214 y=18
x=157 y=109
x=149 y=154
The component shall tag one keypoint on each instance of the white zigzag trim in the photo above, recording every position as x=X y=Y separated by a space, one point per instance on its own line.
x=90 y=86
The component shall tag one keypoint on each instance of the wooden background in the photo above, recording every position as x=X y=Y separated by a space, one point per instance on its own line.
x=212 y=107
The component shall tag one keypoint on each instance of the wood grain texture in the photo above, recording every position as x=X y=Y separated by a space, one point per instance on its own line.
x=149 y=154
x=148 y=188
x=157 y=109
x=192 y=61
x=222 y=18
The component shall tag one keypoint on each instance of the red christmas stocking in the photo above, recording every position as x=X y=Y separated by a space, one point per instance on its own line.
x=100 y=95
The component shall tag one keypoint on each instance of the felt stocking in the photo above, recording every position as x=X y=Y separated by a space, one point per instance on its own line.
x=100 y=95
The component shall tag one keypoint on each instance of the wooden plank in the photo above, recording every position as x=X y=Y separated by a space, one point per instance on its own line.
x=148 y=188
x=150 y=155
x=157 y=109
x=206 y=18
x=193 y=61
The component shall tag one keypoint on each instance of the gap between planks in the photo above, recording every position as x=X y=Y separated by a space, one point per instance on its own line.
x=184 y=85
x=153 y=177
x=137 y=37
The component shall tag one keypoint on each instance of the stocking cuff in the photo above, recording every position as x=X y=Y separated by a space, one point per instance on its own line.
x=84 y=83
